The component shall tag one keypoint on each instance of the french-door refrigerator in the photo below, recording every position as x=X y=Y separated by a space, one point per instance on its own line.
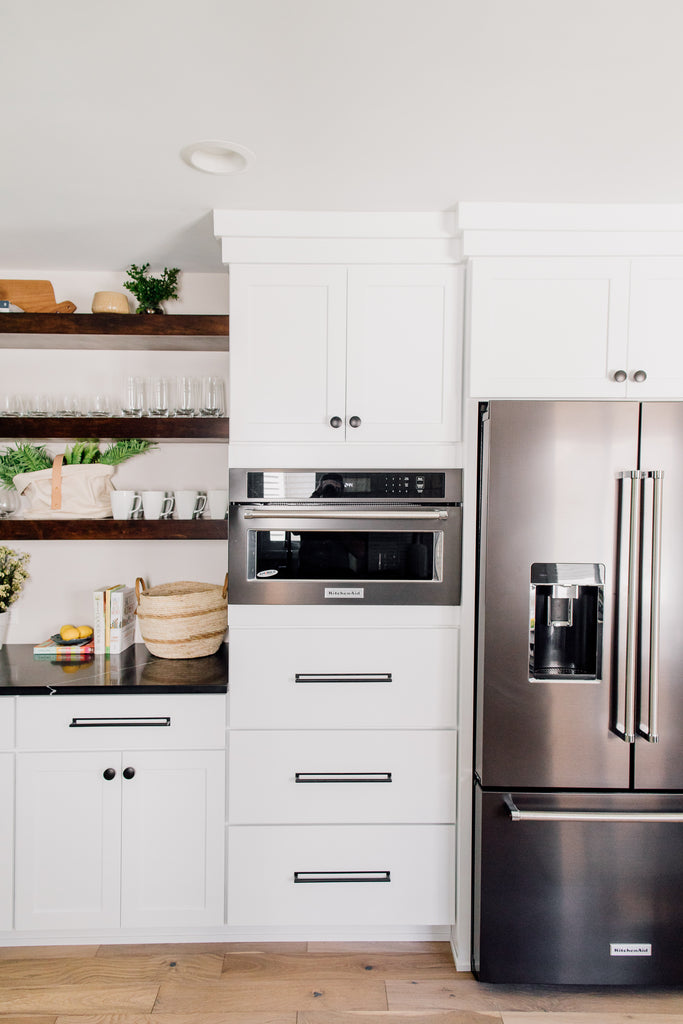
x=578 y=847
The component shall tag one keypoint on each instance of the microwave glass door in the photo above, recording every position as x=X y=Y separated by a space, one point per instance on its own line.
x=345 y=555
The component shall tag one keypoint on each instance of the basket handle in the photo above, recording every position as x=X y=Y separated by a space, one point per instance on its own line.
x=139 y=584
x=56 y=502
x=224 y=593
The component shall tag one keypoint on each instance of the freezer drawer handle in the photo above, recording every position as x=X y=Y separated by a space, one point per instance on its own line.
x=99 y=723
x=342 y=677
x=301 y=877
x=342 y=777
x=636 y=816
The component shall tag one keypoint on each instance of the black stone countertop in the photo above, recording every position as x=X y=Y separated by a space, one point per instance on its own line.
x=133 y=671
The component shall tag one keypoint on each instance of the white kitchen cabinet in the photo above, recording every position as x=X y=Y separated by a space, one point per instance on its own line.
x=343 y=678
x=547 y=327
x=114 y=835
x=336 y=776
x=575 y=327
x=6 y=811
x=341 y=875
x=340 y=354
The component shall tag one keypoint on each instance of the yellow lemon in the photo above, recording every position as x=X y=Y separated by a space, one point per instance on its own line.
x=68 y=633
x=84 y=631
x=70 y=669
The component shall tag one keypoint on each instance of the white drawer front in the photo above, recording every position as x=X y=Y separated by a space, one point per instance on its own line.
x=339 y=678
x=138 y=722
x=347 y=875
x=6 y=723
x=336 y=777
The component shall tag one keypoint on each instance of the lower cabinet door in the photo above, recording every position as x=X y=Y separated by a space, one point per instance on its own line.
x=173 y=832
x=337 y=875
x=68 y=840
x=6 y=839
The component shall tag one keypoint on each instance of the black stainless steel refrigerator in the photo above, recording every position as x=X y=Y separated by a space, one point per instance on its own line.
x=578 y=848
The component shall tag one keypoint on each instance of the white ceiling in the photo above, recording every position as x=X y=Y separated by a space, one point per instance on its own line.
x=346 y=104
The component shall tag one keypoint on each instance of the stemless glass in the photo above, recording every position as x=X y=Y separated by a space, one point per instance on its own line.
x=9 y=503
x=99 y=405
x=134 y=397
x=67 y=405
x=187 y=401
x=159 y=400
x=11 y=405
x=213 y=396
x=39 y=404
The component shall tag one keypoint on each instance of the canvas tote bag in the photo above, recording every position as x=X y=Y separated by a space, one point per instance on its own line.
x=67 y=492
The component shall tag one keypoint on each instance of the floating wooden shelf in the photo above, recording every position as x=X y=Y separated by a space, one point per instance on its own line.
x=197 y=332
x=113 y=529
x=108 y=428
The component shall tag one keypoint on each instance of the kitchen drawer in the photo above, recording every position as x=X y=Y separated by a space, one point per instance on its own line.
x=6 y=723
x=336 y=777
x=336 y=875
x=343 y=678
x=138 y=722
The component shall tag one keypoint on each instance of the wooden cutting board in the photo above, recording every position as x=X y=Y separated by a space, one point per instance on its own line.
x=34 y=297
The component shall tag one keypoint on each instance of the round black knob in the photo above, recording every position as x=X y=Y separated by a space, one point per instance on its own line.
x=354 y=421
x=620 y=376
x=336 y=422
x=109 y=774
x=639 y=376
x=129 y=773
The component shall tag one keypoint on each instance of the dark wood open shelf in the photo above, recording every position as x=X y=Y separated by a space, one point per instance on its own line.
x=198 y=332
x=107 y=428
x=113 y=529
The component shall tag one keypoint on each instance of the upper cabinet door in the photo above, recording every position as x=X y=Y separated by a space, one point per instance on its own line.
x=548 y=327
x=287 y=352
x=404 y=354
x=656 y=328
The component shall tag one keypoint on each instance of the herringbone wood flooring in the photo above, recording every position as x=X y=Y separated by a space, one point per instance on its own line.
x=292 y=983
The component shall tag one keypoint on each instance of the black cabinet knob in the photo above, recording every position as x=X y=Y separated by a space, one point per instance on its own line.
x=355 y=421
x=336 y=422
x=109 y=774
x=129 y=773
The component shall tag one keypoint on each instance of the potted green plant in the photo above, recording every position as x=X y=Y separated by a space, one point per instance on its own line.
x=13 y=575
x=152 y=291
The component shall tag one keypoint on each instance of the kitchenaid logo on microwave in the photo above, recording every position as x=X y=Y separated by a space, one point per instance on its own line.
x=345 y=592
x=630 y=949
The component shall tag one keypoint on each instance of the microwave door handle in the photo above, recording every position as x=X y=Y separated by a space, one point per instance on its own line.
x=423 y=515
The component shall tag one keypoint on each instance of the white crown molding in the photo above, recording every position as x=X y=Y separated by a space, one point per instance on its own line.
x=262 y=236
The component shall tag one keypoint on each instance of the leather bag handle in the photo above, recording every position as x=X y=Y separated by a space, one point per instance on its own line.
x=57 y=482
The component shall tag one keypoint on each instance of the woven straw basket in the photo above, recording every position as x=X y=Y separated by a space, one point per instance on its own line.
x=182 y=620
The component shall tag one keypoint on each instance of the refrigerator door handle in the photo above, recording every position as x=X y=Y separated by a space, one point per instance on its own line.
x=539 y=814
x=648 y=727
x=629 y=672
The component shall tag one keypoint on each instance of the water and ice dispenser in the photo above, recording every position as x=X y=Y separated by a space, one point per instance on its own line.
x=565 y=621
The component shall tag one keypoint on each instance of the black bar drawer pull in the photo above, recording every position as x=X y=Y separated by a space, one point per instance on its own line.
x=301 y=877
x=342 y=677
x=99 y=723
x=343 y=777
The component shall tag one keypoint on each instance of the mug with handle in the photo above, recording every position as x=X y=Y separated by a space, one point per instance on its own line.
x=189 y=504
x=157 y=504
x=124 y=504
x=218 y=504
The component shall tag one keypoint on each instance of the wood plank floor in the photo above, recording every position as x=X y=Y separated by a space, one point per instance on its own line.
x=293 y=983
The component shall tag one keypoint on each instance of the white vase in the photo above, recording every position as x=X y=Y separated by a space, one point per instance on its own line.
x=4 y=626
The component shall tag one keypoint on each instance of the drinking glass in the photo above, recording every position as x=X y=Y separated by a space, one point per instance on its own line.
x=187 y=396
x=9 y=502
x=99 y=405
x=159 y=401
x=134 y=397
x=67 y=405
x=213 y=396
x=11 y=405
x=39 y=404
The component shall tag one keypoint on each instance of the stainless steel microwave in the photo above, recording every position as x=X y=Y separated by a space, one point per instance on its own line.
x=380 y=537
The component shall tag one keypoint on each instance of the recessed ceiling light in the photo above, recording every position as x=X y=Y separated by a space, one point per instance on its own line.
x=216 y=157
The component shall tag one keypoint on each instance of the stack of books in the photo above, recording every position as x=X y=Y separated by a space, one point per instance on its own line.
x=56 y=651
x=114 y=618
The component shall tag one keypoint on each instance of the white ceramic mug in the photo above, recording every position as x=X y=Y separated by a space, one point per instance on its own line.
x=218 y=504
x=189 y=504
x=124 y=504
x=157 y=504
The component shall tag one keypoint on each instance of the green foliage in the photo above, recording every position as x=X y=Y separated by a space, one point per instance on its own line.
x=23 y=458
x=29 y=458
x=151 y=291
